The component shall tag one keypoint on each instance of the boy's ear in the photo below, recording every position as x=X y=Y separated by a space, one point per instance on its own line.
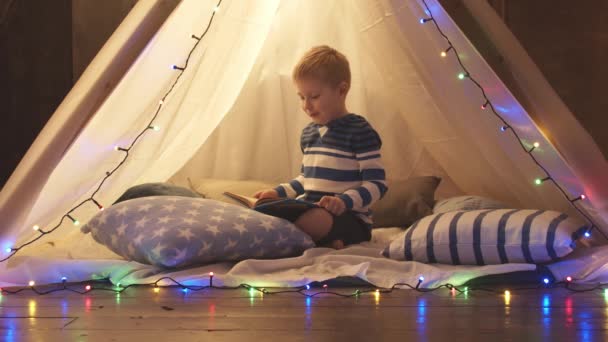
x=343 y=87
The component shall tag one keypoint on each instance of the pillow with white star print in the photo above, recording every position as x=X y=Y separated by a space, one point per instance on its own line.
x=170 y=232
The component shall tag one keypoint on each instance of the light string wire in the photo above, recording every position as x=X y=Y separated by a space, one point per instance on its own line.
x=466 y=74
x=13 y=250
x=302 y=290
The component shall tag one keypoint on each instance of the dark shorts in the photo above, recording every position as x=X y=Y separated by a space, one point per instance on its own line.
x=347 y=227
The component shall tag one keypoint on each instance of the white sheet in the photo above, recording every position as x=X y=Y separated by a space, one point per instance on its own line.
x=318 y=264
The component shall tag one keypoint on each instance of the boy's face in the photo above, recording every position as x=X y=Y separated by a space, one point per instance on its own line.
x=322 y=102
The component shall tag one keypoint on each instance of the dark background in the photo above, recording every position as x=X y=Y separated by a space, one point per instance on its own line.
x=46 y=45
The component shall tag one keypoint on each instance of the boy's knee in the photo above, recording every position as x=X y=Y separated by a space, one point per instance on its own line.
x=316 y=222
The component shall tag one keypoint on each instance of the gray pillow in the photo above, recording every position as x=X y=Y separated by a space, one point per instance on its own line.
x=466 y=203
x=156 y=189
x=406 y=202
x=170 y=231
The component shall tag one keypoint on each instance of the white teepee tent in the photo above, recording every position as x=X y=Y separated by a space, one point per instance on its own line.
x=234 y=114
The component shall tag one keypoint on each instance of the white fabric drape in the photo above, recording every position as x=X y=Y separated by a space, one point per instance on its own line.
x=234 y=114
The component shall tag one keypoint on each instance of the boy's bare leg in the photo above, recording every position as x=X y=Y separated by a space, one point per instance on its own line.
x=317 y=223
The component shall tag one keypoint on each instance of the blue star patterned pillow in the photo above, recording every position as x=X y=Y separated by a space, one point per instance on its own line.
x=170 y=231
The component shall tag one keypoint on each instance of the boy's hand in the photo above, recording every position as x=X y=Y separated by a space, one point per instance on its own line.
x=333 y=204
x=270 y=193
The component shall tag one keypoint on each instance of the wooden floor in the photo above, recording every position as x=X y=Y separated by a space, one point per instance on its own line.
x=139 y=314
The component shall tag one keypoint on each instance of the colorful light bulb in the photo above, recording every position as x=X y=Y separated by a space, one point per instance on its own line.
x=546 y=280
x=99 y=206
x=568 y=278
x=31 y=283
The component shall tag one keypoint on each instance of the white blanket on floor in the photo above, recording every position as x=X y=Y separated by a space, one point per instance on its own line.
x=318 y=264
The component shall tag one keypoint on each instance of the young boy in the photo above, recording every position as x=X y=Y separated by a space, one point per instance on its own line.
x=341 y=169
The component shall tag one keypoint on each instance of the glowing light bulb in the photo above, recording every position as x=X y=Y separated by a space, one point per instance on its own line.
x=185 y=290
x=503 y=128
x=216 y=9
x=99 y=206
x=156 y=289
x=324 y=286
x=308 y=287
x=377 y=291
x=461 y=76
x=536 y=144
x=8 y=249
x=443 y=54
x=421 y=278
x=507 y=293
x=587 y=234
x=161 y=102
x=568 y=278
x=36 y=227
x=87 y=288
x=583 y=196
x=63 y=279
x=424 y=20
x=31 y=283
x=156 y=128
x=546 y=280
x=211 y=274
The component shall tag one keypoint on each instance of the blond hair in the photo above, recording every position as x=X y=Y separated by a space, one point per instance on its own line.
x=324 y=63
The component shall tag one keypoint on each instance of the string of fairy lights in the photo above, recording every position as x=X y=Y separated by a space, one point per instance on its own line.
x=12 y=250
x=487 y=103
x=88 y=287
x=308 y=291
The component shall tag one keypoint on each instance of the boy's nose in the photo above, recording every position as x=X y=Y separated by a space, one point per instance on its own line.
x=307 y=106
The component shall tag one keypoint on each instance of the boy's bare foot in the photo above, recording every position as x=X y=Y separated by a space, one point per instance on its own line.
x=336 y=244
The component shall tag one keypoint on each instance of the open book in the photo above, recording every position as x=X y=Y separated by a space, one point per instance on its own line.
x=272 y=206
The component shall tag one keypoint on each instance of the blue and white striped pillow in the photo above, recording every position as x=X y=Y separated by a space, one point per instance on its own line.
x=486 y=237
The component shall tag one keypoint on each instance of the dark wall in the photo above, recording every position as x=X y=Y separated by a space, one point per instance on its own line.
x=35 y=71
x=568 y=41
x=44 y=48
x=93 y=22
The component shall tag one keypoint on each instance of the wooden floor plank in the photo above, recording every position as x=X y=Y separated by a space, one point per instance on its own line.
x=539 y=315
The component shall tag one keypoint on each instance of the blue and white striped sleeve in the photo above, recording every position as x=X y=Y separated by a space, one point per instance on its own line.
x=366 y=146
x=293 y=188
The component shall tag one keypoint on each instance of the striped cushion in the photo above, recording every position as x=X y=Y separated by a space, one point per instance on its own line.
x=485 y=237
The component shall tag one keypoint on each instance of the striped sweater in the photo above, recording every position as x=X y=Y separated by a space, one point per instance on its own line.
x=341 y=158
